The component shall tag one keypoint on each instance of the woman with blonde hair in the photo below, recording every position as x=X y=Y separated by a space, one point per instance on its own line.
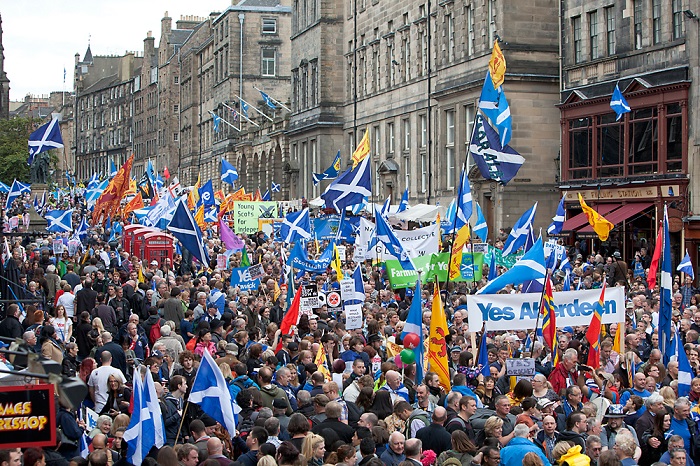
x=669 y=396
x=314 y=449
x=493 y=428
x=531 y=459
x=120 y=420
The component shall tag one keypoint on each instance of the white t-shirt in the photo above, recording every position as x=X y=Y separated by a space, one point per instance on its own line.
x=62 y=326
x=98 y=380
x=67 y=300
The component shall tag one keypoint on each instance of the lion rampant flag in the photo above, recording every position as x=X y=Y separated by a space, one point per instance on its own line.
x=462 y=238
x=497 y=65
x=599 y=223
x=362 y=150
x=437 y=346
x=321 y=364
x=193 y=197
x=134 y=204
x=108 y=203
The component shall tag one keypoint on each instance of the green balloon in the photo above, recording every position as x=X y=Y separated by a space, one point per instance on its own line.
x=408 y=356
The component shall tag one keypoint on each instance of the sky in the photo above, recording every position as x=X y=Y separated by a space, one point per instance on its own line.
x=41 y=37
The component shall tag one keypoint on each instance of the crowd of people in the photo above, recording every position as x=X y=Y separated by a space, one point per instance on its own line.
x=101 y=313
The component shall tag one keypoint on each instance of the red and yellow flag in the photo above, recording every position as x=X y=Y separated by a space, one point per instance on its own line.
x=600 y=225
x=593 y=333
x=108 y=203
x=362 y=150
x=258 y=196
x=193 y=197
x=497 y=65
x=321 y=363
x=134 y=204
x=549 y=322
x=437 y=345
x=463 y=236
x=336 y=263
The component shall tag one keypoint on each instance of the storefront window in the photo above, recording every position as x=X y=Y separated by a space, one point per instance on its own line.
x=674 y=136
x=611 y=151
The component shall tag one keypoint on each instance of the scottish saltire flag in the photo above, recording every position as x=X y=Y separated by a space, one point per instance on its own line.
x=483 y=360
x=210 y=392
x=350 y=188
x=268 y=101
x=244 y=107
x=217 y=121
x=558 y=219
x=414 y=324
x=386 y=207
x=358 y=296
x=665 y=301
x=386 y=235
x=518 y=235
x=495 y=162
x=116 y=230
x=84 y=447
x=160 y=209
x=113 y=169
x=685 y=370
x=275 y=187
x=686 y=266
x=266 y=196
x=46 y=137
x=357 y=208
x=447 y=223
x=331 y=172
x=4 y=188
x=16 y=190
x=146 y=427
x=295 y=226
x=185 y=229
x=464 y=203
x=481 y=228
x=529 y=267
x=532 y=286
x=70 y=178
x=93 y=194
x=618 y=103
x=94 y=181
x=82 y=230
x=566 y=285
x=60 y=221
x=493 y=267
x=229 y=174
x=495 y=106
x=403 y=206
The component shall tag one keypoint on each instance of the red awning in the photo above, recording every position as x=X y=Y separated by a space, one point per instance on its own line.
x=577 y=221
x=620 y=215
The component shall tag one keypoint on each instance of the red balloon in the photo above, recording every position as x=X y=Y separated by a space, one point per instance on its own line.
x=411 y=341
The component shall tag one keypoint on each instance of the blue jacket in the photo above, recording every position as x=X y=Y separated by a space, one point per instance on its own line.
x=466 y=391
x=234 y=387
x=512 y=454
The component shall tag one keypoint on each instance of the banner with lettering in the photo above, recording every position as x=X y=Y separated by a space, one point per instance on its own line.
x=419 y=242
x=240 y=277
x=434 y=265
x=519 y=311
x=247 y=213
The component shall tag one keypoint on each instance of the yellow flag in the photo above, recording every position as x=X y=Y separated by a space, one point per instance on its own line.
x=437 y=346
x=141 y=278
x=320 y=362
x=617 y=341
x=362 y=150
x=392 y=349
x=437 y=220
x=600 y=225
x=456 y=263
x=199 y=218
x=336 y=264
x=193 y=197
x=497 y=65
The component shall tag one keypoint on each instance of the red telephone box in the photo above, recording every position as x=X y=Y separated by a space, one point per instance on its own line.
x=137 y=244
x=128 y=237
x=158 y=246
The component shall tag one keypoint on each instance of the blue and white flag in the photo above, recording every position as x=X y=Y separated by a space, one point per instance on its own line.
x=4 y=188
x=350 y=188
x=331 y=172
x=495 y=106
x=299 y=259
x=217 y=121
x=566 y=285
x=93 y=181
x=16 y=190
x=686 y=266
x=685 y=370
x=386 y=207
x=464 y=203
x=266 y=196
x=483 y=357
x=358 y=295
x=532 y=286
x=386 y=235
x=46 y=137
x=82 y=230
x=295 y=226
x=146 y=427
x=481 y=228
x=618 y=103
x=414 y=324
x=93 y=194
x=357 y=208
x=116 y=230
x=495 y=161
x=164 y=205
x=60 y=221
x=210 y=392
x=518 y=235
x=558 y=219
x=493 y=267
x=529 y=267
x=665 y=300
x=275 y=187
x=70 y=178
x=268 y=101
x=229 y=174
x=244 y=107
x=403 y=206
x=84 y=445
x=447 y=223
x=185 y=229
x=113 y=169
x=206 y=194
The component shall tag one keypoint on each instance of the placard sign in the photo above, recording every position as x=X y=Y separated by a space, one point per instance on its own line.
x=341 y=253
x=524 y=367
x=309 y=298
x=480 y=247
x=58 y=247
x=347 y=289
x=27 y=416
x=221 y=261
x=552 y=246
x=256 y=271
x=353 y=316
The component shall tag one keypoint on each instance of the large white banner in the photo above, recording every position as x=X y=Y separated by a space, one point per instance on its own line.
x=519 y=311
x=420 y=242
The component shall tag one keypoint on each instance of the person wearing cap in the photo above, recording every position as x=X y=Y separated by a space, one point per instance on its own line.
x=615 y=416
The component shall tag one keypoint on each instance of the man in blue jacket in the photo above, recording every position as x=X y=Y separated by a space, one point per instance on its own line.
x=513 y=453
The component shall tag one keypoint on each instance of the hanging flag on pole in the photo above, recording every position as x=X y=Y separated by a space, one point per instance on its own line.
x=558 y=219
x=495 y=161
x=685 y=371
x=229 y=174
x=618 y=103
x=185 y=229
x=481 y=228
x=665 y=301
x=349 y=188
x=495 y=106
x=414 y=324
x=518 y=235
x=529 y=267
x=46 y=137
x=686 y=266
x=16 y=190
x=593 y=332
x=464 y=203
x=331 y=172
x=549 y=322
x=600 y=225
x=60 y=221
x=108 y=203
x=362 y=150
x=295 y=226
x=497 y=65
x=403 y=206
x=437 y=345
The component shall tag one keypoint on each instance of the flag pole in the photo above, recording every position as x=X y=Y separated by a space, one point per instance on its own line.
x=273 y=99
x=539 y=308
x=182 y=420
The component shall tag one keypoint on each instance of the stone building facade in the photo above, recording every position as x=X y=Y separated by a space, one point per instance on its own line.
x=4 y=82
x=630 y=168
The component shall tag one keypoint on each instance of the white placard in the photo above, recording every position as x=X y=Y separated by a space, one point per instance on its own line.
x=347 y=289
x=341 y=252
x=353 y=316
x=520 y=367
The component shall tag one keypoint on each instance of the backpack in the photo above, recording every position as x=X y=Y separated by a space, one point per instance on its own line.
x=191 y=344
x=423 y=417
x=154 y=332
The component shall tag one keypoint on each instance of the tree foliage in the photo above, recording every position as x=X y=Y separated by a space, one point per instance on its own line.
x=14 y=135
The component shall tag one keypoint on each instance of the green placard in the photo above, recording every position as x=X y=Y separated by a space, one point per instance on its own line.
x=247 y=213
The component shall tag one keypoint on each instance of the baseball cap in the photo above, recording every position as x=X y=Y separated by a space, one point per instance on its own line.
x=568 y=330
x=321 y=400
x=544 y=403
x=279 y=403
x=154 y=262
x=157 y=354
x=293 y=346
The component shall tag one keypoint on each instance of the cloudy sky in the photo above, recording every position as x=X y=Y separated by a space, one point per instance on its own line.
x=41 y=37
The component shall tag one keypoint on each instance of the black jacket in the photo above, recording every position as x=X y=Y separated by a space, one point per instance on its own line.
x=344 y=431
x=435 y=437
x=10 y=327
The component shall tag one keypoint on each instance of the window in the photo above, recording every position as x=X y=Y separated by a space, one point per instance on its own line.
x=576 y=25
x=492 y=20
x=406 y=123
x=610 y=30
x=377 y=140
x=268 y=62
x=677 y=19
x=407 y=170
x=470 y=25
x=423 y=131
x=390 y=137
x=176 y=80
x=176 y=108
x=468 y=125
x=176 y=137
x=450 y=148
x=638 y=18
x=423 y=172
x=593 y=33
x=656 y=20
x=450 y=38
x=407 y=59
x=423 y=38
x=269 y=26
